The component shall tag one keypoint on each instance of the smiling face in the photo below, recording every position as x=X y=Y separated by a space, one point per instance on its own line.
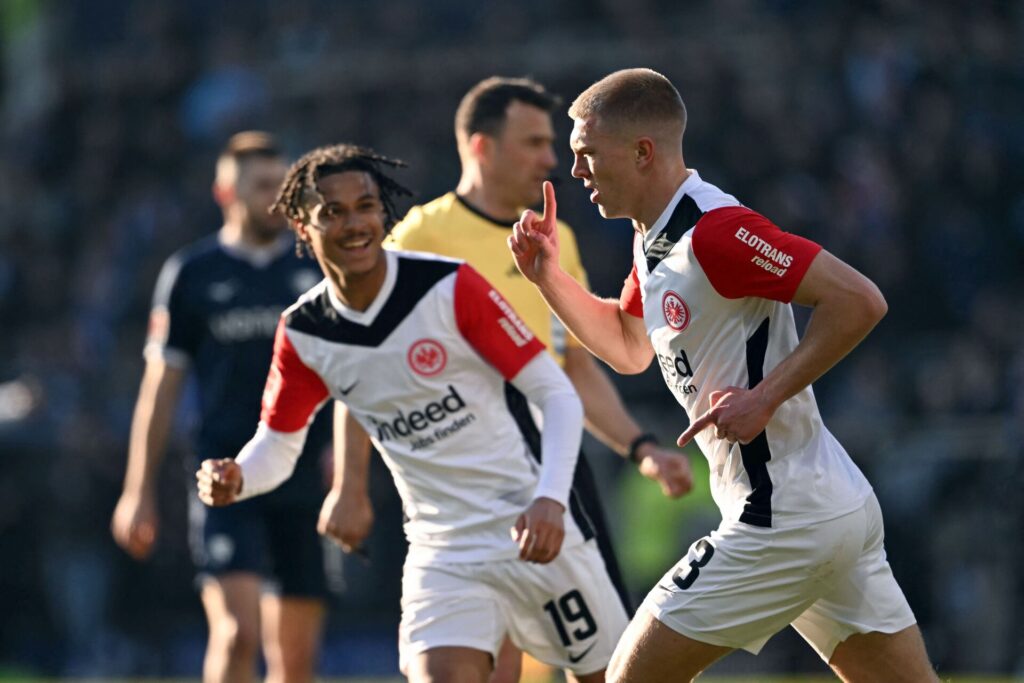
x=347 y=228
x=606 y=162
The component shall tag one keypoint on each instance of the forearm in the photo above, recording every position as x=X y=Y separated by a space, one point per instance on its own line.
x=268 y=460
x=605 y=414
x=351 y=453
x=836 y=327
x=547 y=387
x=151 y=426
x=599 y=324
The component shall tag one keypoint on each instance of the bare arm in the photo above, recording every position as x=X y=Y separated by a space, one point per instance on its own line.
x=610 y=333
x=846 y=306
x=606 y=416
x=608 y=420
x=135 y=520
x=347 y=514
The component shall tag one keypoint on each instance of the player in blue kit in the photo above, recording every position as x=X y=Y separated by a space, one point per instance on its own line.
x=215 y=310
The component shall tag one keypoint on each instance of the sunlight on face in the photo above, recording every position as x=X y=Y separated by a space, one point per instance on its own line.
x=605 y=162
x=347 y=227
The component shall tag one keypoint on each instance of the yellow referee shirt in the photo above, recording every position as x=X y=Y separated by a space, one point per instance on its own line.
x=450 y=227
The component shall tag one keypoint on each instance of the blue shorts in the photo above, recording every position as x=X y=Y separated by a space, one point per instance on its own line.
x=276 y=540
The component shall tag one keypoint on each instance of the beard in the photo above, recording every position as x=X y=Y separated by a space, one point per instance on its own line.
x=266 y=228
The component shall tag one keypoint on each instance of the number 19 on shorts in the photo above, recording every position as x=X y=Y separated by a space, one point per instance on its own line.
x=571 y=611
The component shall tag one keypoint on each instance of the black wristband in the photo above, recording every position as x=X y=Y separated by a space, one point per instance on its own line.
x=637 y=443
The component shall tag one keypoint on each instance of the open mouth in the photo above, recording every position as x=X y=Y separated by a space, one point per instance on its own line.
x=356 y=244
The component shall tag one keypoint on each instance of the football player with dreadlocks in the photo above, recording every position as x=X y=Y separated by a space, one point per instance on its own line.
x=438 y=369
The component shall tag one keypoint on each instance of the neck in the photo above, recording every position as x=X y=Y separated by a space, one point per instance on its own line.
x=486 y=197
x=661 y=189
x=358 y=290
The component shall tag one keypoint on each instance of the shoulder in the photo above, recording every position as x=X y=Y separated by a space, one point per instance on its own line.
x=194 y=262
x=423 y=219
x=708 y=197
x=732 y=227
x=422 y=270
x=745 y=254
x=198 y=254
x=310 y=309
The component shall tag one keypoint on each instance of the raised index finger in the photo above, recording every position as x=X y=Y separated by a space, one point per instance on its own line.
x=550 y=205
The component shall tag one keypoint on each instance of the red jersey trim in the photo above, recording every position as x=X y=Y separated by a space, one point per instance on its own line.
x=490 y=324
x=630 y=299
x=744 y=254
x=293 y=390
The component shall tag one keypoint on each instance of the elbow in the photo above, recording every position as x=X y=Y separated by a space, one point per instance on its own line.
x=875 y=305
x=577 y=407
x=630 y=365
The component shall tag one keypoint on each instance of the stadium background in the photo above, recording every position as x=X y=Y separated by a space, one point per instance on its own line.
x=890 y=131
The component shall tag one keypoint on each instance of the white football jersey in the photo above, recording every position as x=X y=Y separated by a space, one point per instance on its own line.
x=712 y=281
x=425 y=371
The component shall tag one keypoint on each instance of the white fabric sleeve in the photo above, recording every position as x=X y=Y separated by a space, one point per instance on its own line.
x=268 y=459
x=546 y=386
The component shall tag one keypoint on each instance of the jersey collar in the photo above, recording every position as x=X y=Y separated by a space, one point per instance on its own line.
x=479 y=212
x=689 y=184
x=370 y=314
x=257 y=257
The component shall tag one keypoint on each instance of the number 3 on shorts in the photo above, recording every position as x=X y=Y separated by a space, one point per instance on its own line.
x=704 y=551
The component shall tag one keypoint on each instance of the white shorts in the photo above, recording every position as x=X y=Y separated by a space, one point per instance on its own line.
x=565 y=613
x=742 y=584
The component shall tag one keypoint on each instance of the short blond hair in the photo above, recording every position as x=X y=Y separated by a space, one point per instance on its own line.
x=635 y=96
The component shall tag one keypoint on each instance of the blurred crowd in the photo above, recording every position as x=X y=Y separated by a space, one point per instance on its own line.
x=890 y=131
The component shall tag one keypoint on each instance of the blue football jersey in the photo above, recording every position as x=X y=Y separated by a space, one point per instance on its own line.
x=215 y=310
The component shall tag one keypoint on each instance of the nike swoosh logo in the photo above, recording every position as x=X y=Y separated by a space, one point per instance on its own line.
x=346 y=392
x=576 y=658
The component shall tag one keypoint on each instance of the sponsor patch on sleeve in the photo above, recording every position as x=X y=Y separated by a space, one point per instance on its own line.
x=744 y=254
x=491 y=325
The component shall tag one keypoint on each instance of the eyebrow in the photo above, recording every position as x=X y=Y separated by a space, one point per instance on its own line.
x=357 y=199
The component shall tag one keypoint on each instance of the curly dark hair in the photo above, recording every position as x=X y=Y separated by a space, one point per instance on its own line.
x=299 y=191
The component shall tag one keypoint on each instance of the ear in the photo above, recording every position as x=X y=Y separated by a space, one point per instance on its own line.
x=301 y=231
x=644 y=151
x=223 y=194
x=481 y=146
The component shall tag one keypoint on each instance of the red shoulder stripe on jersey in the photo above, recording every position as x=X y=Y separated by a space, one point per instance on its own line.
x=490 y=325
x=293 y=390
x=744 y=254
x=629 y=298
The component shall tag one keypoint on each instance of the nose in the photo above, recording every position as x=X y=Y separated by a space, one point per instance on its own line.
x=579 y=168
x=550 y=159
